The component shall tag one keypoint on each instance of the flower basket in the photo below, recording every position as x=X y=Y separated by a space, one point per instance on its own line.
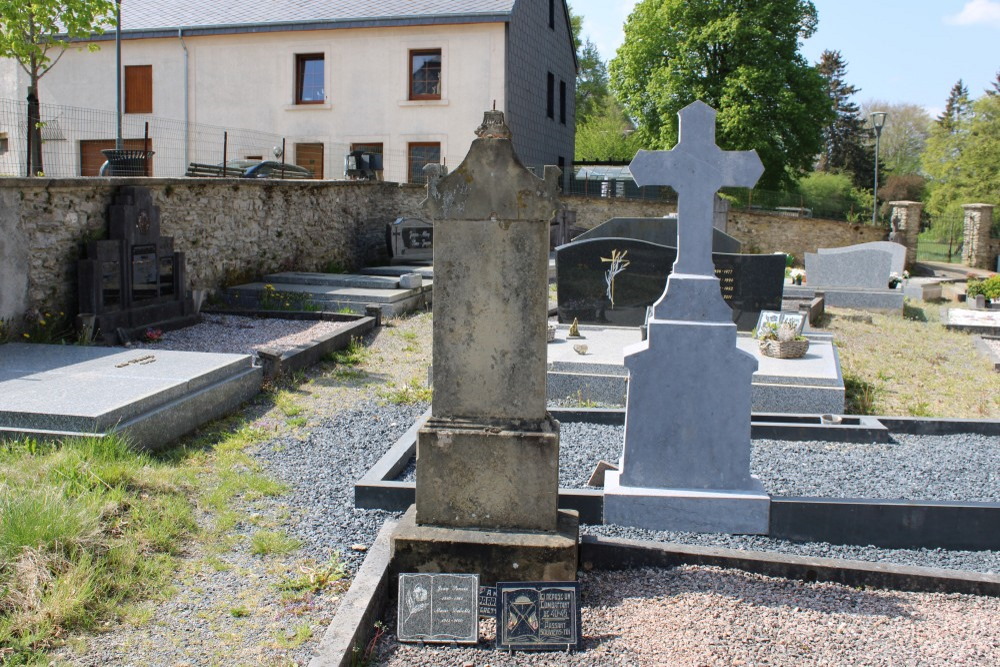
x=789 y=349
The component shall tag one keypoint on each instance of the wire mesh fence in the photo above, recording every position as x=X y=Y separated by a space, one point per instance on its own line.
x=73 y=139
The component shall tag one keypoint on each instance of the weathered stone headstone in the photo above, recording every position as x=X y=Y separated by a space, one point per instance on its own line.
x=410 y=240
x=686 y=459
x=488 y=458
x=133 y=279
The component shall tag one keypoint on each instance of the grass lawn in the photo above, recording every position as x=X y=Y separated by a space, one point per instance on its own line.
x=912 y=365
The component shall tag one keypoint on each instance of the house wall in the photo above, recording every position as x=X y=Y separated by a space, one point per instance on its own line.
x=533 y=50
x=248 y=80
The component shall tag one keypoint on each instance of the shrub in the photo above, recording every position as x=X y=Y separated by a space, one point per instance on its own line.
x=990 y=288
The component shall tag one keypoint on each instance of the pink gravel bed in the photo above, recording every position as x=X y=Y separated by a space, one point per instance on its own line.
x=694 y=616
x=241 y=334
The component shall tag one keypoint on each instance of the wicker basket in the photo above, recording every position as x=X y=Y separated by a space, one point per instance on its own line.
x=790 y=349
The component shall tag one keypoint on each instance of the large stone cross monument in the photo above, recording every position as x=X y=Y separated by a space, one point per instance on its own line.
x=686 y=459
x=488 y=458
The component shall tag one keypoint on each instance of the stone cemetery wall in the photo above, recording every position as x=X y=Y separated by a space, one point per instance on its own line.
x=230 y=231
x=592 y=211
x=763 y=233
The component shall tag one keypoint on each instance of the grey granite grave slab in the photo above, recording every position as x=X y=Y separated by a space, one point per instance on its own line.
x=896 y=250
x=427 y=272
x=812 y=384
x=852 y=269
x=686 y=458
x=154 y=396
x=389 y=301
x=332 y=280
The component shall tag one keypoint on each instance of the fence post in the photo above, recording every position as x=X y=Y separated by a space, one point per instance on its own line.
x=225 y=153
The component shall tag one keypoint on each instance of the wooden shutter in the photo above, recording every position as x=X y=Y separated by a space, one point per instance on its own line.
x=138 y=89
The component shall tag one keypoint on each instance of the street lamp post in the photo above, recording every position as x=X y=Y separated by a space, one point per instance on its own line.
x=119 y=142
x=878 y=122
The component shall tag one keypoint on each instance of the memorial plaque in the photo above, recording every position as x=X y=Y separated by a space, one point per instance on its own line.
x=487 y=602
x=438 y=608
x=538 y=616
x=410 y=240
x=613 y=281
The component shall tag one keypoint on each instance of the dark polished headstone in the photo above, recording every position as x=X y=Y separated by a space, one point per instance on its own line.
x=438 y=608
x=662 y=231
x=538 y=616
x=133 y=279
x=410 y=240
x=586 y=292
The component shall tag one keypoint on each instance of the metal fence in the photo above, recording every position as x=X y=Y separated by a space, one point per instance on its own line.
x=609 y=180
x=73 y=137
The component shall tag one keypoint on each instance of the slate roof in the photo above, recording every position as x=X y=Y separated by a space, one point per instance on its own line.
x=162 y=16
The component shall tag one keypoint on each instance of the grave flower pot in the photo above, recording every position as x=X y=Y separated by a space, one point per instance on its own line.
x=784 y=349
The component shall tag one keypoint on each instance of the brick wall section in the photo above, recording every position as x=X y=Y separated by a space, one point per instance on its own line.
x=229 y=230
x=533 y=50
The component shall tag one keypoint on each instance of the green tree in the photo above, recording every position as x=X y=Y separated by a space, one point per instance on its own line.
x=903 y=137
x=847 y=147
x=36 y=33
x=965 y=167
x=740 y=57
x=606 y=135
x=943 y=152
x=591 y=74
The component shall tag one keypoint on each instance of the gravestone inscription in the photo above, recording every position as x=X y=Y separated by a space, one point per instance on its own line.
x=438 y=608
x=586 y=283
x=538 y=616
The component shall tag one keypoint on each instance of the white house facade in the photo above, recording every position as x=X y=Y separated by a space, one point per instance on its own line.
x=406 y=78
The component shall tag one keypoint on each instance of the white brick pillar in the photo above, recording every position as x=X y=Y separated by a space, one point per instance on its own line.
x=976 y=243
x=905 y=222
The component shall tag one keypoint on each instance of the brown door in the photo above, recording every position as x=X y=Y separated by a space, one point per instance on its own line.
x=91 y=157
x=310 y=156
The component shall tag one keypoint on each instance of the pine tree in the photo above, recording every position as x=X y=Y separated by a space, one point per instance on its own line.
x=846 y=147
x=995 y=90
x=956 y=108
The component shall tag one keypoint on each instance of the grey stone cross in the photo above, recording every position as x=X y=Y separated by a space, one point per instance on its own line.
x=696 y=168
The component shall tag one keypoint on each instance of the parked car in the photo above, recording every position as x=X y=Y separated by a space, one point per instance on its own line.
x=250 y=169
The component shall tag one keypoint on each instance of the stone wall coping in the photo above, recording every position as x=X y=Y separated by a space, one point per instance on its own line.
x=977 y=206
x=106 y=181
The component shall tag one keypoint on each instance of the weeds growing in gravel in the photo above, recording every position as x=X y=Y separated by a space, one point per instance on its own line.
x=410 y=393
x=310 y=577
x=272 y=542
x=353 y=355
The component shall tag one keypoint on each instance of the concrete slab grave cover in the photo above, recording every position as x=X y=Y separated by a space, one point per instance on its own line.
x=686 y=459
x=488 y=457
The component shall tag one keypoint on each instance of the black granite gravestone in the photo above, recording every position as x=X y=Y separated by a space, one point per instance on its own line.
x=437 y=608
x=133 y=280
x=613 y=281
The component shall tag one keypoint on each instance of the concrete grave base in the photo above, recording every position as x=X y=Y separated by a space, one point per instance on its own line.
x=496 y=555
x=687 y=510
x=488 y=476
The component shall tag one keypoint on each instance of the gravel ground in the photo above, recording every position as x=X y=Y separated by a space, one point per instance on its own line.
x=707 y=616
x=684 y=616
x=242 y=334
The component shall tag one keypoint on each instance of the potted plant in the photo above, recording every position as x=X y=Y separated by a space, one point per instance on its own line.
x=989 y=288
x=895 y=279
x=797 y=276
x=781 y=341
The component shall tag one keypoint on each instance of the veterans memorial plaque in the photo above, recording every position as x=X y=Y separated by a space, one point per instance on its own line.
x=538 y=616
x=438 y=608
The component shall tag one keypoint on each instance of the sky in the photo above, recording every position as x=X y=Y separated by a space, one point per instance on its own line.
x=899 y=51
